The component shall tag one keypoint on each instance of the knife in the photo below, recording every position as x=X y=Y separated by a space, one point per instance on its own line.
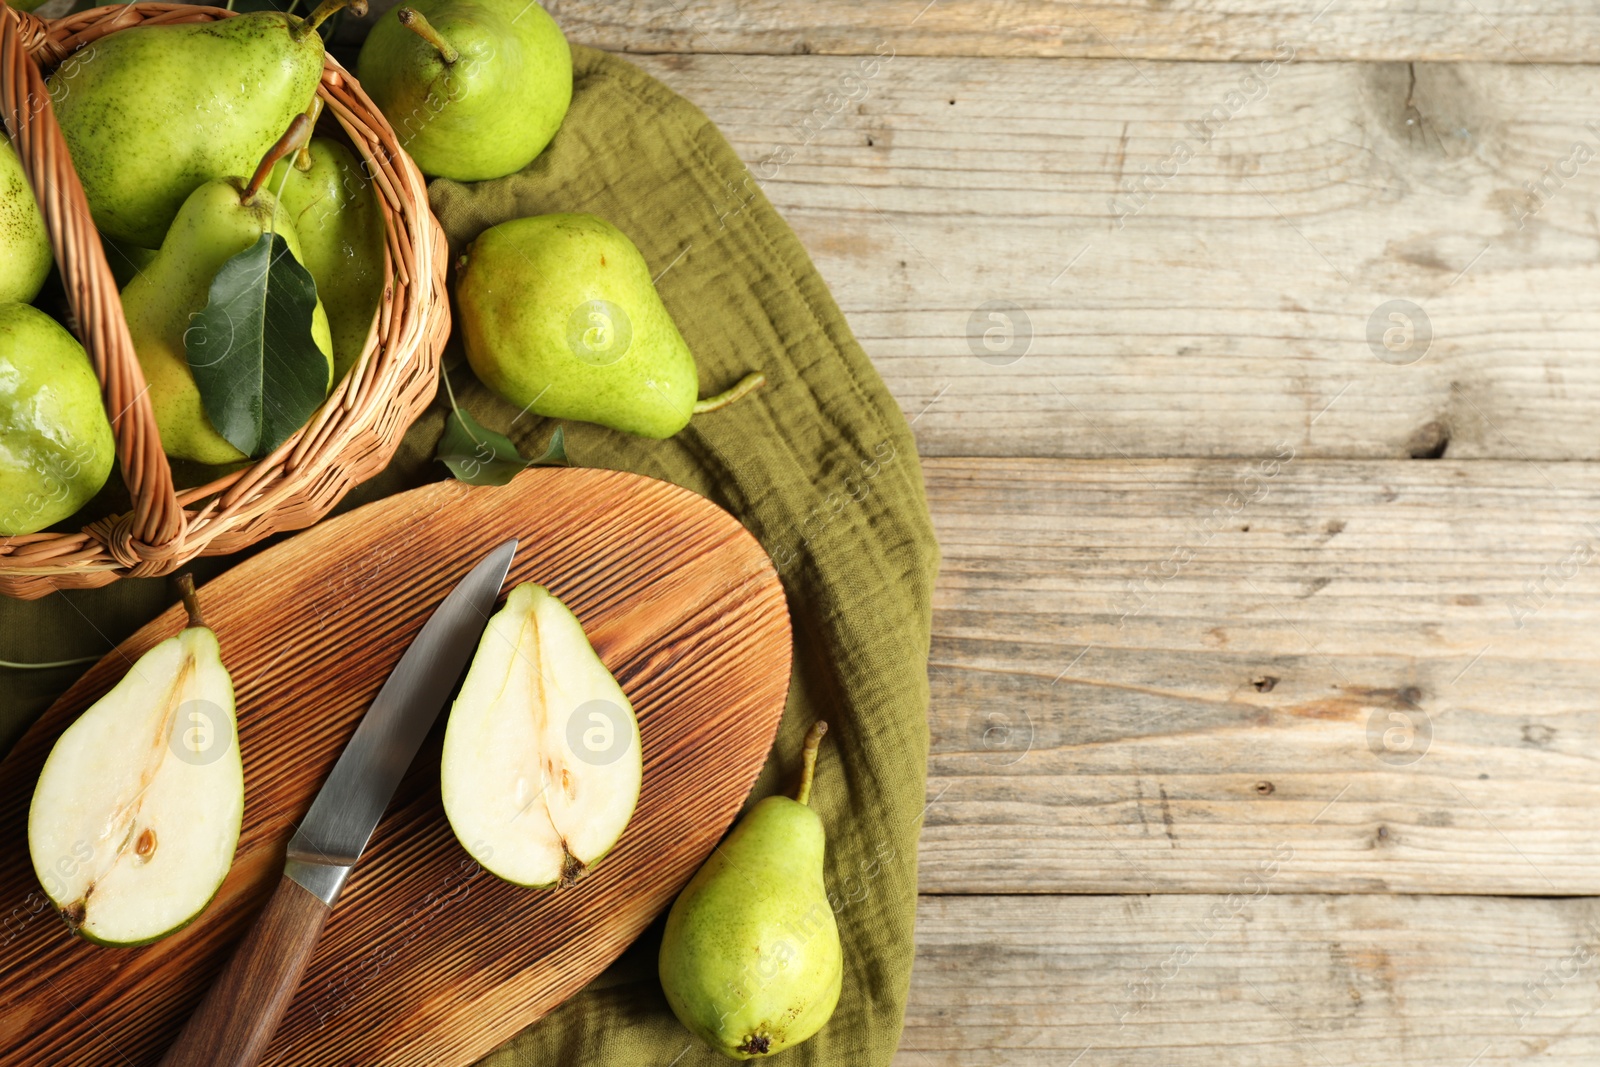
x=234 y=1023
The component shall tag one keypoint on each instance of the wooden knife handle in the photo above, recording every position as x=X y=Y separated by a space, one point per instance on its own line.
x=234 y=1023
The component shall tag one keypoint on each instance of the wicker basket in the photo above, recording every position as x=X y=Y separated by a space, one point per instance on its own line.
x=350 y=438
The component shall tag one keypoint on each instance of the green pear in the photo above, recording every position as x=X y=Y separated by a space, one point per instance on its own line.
x=340 y=224
x=474 y=88
x=151 y=113
x=750 y=959
x=25 y=256
x=542 y=761
x=56 y=446
x=137 y=810
x=219 y=220
x=559 y=315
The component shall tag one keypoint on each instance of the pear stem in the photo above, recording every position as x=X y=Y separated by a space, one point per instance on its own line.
x=746 y=385
x=809 y=769
x=302 y=158
x=323 y=12
x=413 y=20
x=191 y=602
x=298 y=133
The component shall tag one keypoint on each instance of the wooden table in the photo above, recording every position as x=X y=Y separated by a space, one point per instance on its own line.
x=1266 y=667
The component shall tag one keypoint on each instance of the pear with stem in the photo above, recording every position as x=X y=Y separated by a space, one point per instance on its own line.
x=325 y=191
x=750 y=960
x=153 y=112
x=475 y=89
x=219 y=220
x=560 y=315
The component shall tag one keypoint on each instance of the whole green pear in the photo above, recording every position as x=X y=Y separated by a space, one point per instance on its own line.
x=336 y=215
x=750 y=960
x=25 y=256
x=474 y=88
x=151 y=113
x=214 y=225
x=56 y=446
x=559 y=315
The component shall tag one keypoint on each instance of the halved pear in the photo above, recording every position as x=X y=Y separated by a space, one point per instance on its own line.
x=137 y=810
x=542 y=760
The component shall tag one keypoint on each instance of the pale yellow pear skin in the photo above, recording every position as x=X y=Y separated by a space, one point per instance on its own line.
x=212 y=227
x=750 y=960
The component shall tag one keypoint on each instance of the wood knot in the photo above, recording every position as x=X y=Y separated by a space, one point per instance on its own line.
x=1266 y=789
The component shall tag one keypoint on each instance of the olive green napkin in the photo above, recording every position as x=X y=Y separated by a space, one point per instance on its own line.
x=820 y=465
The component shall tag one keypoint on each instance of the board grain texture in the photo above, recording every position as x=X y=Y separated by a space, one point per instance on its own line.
x=428 y=959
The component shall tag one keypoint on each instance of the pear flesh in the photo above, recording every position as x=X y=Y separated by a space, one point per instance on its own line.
x=341 y=229
x=150 y=113
x=559 y=315
x=214 y=226
x=137 y=811
x=542 y=760
x=750 y=958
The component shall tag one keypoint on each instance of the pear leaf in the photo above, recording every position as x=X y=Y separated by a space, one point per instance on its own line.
x=479 y=456
x=260 y=373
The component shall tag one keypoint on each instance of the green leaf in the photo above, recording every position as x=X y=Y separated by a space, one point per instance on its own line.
x=479 y=456
x=260 y=373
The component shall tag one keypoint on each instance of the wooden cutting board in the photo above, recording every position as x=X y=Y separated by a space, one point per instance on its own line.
x=428 y=959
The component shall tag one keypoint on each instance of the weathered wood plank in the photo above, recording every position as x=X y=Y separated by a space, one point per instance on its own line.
x=1218 y=311
x=1508 y=30
x=1148 y=675
x=1279 y=981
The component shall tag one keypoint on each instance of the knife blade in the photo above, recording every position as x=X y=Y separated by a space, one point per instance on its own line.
x=242 y=1009
x=352 y=800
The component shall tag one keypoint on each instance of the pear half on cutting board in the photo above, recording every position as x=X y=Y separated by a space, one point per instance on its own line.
x=137 y=810
x=542 y=761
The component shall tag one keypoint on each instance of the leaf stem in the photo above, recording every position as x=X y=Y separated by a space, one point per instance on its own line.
x=293 y=138
x=809 y=770
x=417 y=23
x=746 y=385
